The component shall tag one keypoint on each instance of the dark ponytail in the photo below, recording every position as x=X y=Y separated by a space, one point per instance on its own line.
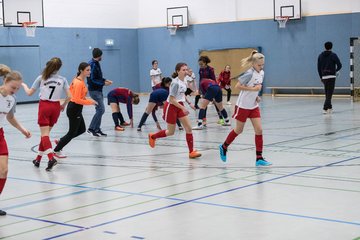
x=164 y=81
x=82 y=67
x=177 y=69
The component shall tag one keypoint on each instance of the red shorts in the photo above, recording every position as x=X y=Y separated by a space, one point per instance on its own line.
x=49 y=113
x=242 y=114
x=171 y=113
x=3 y=146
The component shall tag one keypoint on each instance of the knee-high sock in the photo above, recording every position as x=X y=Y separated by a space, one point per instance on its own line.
x=230 y=138
x=190 y=141
x=218 y=111
x=259 y=145
x=47 y=147
x=2 y=184
x=40 y=151
x=197 y=98
x=160 y=134
x=224 y=114
x=143 y=119
x=121 y=118
x=115 y=118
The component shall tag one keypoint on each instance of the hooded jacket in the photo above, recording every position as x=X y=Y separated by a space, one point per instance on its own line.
x=328 y=65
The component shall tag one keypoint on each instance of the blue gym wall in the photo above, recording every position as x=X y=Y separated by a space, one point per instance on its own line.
x=120 y=62
x=291 y=53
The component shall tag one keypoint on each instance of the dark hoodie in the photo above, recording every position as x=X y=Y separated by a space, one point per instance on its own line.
x=328 y=65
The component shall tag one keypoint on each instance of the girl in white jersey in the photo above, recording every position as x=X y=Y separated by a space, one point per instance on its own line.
x=155 y=74
x=249 y=84
x=174 y=109
x=11 y=84
x=52 y=86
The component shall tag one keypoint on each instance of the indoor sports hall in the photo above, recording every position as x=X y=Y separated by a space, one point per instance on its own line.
x=118 y=187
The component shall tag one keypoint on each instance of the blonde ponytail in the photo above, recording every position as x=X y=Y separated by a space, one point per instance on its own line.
x=4 y=70
x=251 y=59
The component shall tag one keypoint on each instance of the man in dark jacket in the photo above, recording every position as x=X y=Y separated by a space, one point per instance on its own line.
x=95 y=85
x=328 y=67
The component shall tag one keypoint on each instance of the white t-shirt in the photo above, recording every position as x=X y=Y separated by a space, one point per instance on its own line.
x=247 y=99
x=177 y=90
x=156 y=73
x=7 y=105
x=190 y=81
x=51 y=89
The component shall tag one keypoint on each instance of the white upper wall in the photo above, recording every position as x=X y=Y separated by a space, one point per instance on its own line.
x=145 y=13
x=153 y=13
x=91 y=13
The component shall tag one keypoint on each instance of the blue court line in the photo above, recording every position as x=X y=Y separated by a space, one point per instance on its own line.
x=47 y=221
x=196 y=200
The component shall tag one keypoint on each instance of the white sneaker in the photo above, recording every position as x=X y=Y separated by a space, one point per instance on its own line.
x=59 y=154
x=325 y=112
x=201 y=127
x=228 y=103
x=329 y=111
x=226 y=124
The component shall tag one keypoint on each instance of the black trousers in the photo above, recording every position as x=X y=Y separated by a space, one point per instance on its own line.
x=329 y=85
x=76 y=125
x=228 y=94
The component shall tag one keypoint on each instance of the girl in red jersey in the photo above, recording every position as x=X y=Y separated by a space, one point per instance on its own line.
x=122 y=95
x=52 y=86
x=224 y=81
x=11 y=84
x=174 y=109
x=247 y=106
x=78 y=99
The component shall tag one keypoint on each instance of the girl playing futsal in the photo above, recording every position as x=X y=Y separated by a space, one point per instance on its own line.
x=155 y=74
x=52 y=86
x=122 y=95
x=212 y=92
x=78 y=99
x=224 y=81
x=249 y=84
x=157 y=98
x=174 y=109
x=11 y=84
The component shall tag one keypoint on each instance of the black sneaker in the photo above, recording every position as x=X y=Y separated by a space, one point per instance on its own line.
x=2 y=213
x=93 y=133
x=36 y=163
x=101 y=134
x=51 y=164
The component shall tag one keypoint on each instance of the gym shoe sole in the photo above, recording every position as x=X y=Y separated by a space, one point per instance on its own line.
x=201 y=127
x=36 y=163
x=263 y=163
x=151 y=140
x=194 y=154
x=52 y=163
x=222 y=153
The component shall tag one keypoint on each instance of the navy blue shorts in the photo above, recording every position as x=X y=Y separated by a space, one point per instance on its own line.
x=214 y=92
x=158 y=96
x=112 y=99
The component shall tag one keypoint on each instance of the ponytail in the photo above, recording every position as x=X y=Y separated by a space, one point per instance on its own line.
x=52 y=67
x=4 y=70
x=251 y=59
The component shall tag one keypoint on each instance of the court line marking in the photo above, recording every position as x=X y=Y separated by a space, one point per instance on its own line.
x=195 y=200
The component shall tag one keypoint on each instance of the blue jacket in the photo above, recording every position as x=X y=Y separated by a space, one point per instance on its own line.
x=328 y=65
x=95 y=81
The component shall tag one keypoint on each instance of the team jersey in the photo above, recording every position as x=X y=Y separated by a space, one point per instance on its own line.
x=158 y=86
x=177 y=90
x=156 y=73
x=123 y=95
x=224 y=79
x=206 y=83
x=51 y=89
x=7 y=105
x=247 y=99
x=159 y=96
x=78 y=92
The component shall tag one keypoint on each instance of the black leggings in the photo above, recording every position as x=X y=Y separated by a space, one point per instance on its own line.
x=228 y=94
x=76 y=125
